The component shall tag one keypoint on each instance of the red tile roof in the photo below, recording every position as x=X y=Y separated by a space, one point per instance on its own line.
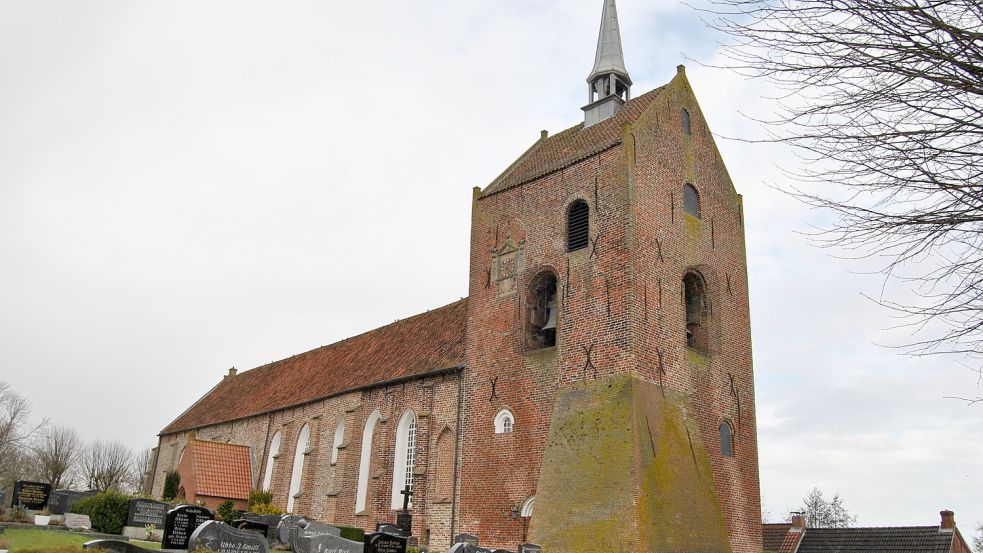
x=411 y=347
x=772 y=536
x=221 y=470
x=570 y=146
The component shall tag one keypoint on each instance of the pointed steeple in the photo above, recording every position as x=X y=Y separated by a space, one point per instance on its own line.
x=609 y=57
x=608 y=85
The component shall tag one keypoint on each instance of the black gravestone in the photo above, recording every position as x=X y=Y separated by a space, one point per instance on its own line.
x=309 y=529
x=404 y=521
x=465 y=547
x=31 y=495
x=530 y=548
x=3 y=498
x=380 y=542
x=180 y=523
x=62 y=501
x=389 y=529
x=221 y=538
x=332 y=544
x=264 y=524
x=286 y=524
x=466 y=538
x=146 y=511
x=115 y=546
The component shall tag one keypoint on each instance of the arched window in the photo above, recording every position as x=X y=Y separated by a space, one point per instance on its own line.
x=504 y=422
x=726 y=439
x=687 y=128
x=274 y=451
x=297 y=475
x=527 y=506
x=543 y=312
x=578 y=226
x=365 y=461
x=339 y=438
x=691 y=200
x=697 y=310
x=404 y=458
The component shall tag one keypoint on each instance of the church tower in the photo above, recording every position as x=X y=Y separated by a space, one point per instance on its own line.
x=608 y=399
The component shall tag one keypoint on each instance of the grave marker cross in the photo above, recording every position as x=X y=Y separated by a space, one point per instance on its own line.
x=406 y=493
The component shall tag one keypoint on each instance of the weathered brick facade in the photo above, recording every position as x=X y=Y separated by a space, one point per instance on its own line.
x=622 y=315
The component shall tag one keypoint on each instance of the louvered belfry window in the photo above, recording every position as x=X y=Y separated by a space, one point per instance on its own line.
x=578 y=226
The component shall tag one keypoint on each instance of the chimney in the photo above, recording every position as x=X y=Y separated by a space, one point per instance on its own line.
x=232 y=372
x=948 y=519
x=798 y=521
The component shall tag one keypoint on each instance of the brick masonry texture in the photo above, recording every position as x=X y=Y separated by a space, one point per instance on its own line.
x=621 y=313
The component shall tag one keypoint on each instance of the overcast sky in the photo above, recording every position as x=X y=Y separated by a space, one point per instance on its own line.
x=191 y=185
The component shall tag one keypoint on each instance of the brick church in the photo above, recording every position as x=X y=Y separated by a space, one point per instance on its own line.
x=594 y=392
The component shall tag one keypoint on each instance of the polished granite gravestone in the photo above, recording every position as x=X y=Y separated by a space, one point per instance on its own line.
x=31 y=495
x=466 y=538
x=219 y=537
x=332 y=544
x=530 y=548
x=61 y=501
x=143 y=512
x=305 y=529
x=465 y=547
x=287 y=522
x=389 y=529
x=115 y=546
x=74 y=521
x=380 y=542
x=263 y=524
x=180 y=523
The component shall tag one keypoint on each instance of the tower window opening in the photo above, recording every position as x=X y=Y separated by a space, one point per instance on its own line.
x=726 y=439
x=687 y=127
x=697 y=311
x=578 y=226
x=542 y=308
x=691 y=200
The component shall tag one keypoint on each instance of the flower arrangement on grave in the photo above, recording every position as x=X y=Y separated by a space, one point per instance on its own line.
x=150 y=529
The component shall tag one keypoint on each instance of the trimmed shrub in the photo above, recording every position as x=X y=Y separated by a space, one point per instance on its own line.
x=172 y=483
x=106 y=510
x=350 y=533
x=227 y=512
x=265 y=509
x=257 y=497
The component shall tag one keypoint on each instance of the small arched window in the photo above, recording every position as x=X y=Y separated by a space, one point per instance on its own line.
x=297 y=475
x=504 y=422
x=274 y=452
x=691 y=200
x=726 y=439
x=339 y=438
x=687 y=127
x=697 y=310
x=578 y=226
x=404 y=458
x=543 y=313
x=365 y=461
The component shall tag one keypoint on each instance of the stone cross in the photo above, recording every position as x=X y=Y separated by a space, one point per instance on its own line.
x=406 y=493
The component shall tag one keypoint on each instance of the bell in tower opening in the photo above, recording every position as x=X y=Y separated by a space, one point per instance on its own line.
x=541 y=326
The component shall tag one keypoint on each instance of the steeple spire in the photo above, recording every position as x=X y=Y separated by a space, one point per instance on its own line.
x=609 y=85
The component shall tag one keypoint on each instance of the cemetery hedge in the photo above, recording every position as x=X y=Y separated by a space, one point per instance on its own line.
x=350 y=533
x=106 y=510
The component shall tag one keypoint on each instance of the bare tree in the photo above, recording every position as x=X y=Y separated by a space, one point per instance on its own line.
x=107 y=466
x=57 y=454
x=141 y=469
x=883 y=99
x=15 y=433
x=822 y=513
x=978 y=538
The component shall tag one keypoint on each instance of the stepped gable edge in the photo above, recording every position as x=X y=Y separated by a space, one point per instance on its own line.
x=570 y=146
x=415 y=346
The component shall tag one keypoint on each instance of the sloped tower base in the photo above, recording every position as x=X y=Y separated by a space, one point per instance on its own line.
x=624 y=470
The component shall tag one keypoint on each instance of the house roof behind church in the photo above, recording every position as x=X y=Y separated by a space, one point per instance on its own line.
x=221 y=470
x=411 y=347
x=902 y=539
x=570 y=146
x=772 y=536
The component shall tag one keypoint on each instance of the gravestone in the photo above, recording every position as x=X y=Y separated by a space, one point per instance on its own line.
x=389 y=529
x=62 y=501
x=32 y=495
x=221 y=538
x=380 y=542
x=465 y=547
x=3 y=498
x=263 y=524
x=404 y=521
x=115 y=546
x=286 y=524
x=466 y=538
x=530 y=548
x=305 y=529
x=333 y=544
x=146 y=511
x=180 y=523
x=74 y=521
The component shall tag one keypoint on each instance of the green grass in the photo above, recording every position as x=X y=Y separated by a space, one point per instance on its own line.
x=26 y=540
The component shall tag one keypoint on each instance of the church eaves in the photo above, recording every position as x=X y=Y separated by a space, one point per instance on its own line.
x=409 y=348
